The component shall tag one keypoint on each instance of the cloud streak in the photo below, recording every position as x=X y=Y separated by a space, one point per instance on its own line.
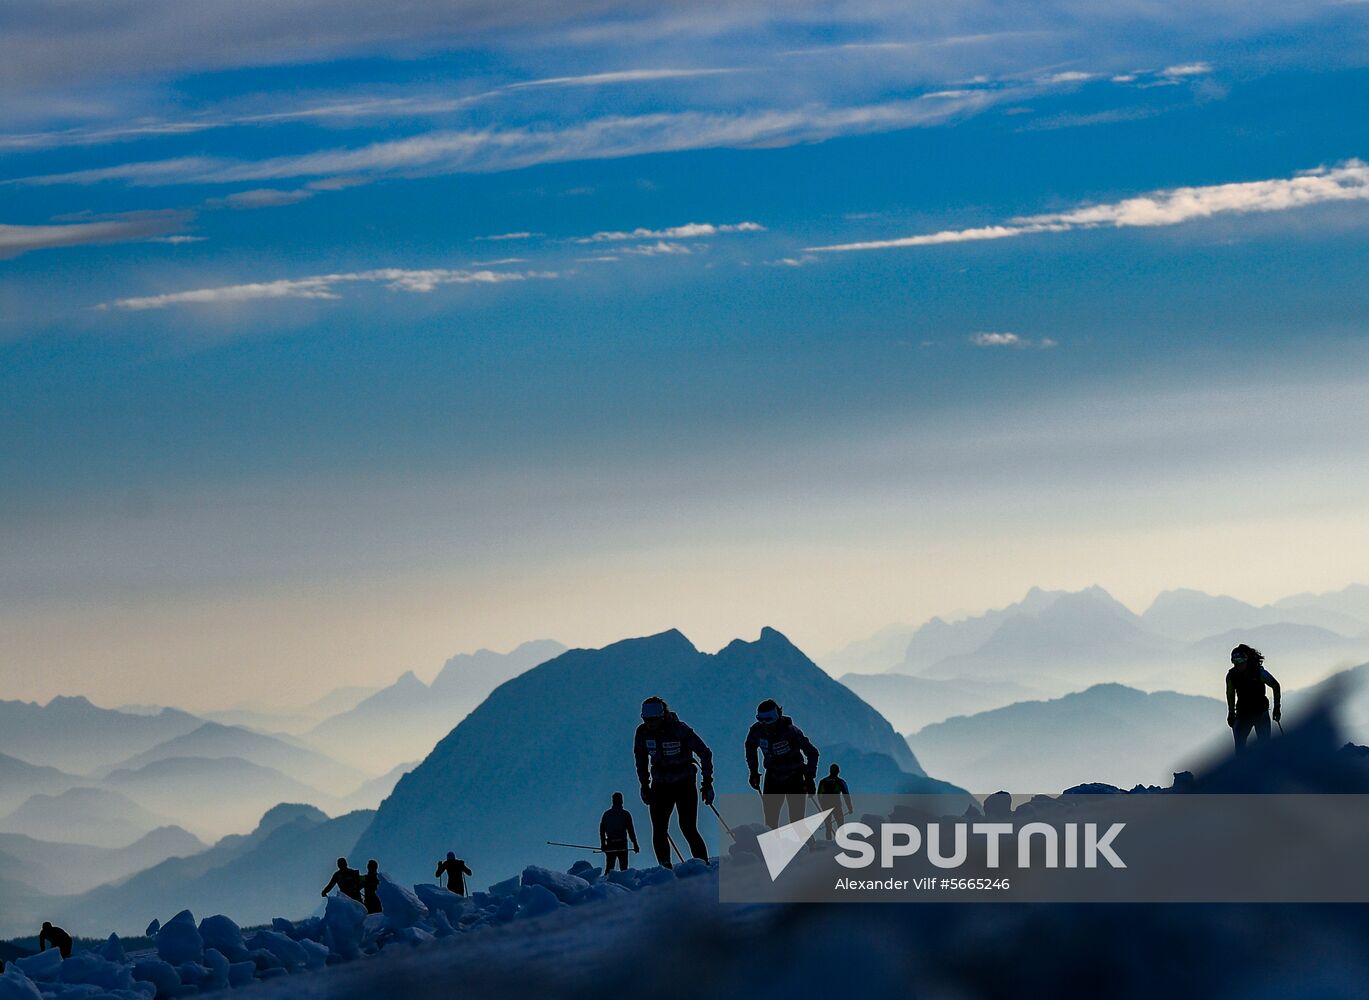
x=323 y=286
x=16 y=240
x=496 y=149
x=690 y=230
x=1348 y=181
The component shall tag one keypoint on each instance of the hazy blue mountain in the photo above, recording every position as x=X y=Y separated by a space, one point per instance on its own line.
x=213 y=740
x=277 y=870
x=98 y=816
x=20 y=779
x=375 y=791
x=74 y=735
x=273 y=719
x=61 y=869
x=1191 y=615
x=876 y=654
x=540 y=757
x=404 y=721
x=913 y=702
x=210 y=796
x=1344 y=611
x=939 y=639
x=1108 y=733
x=1075 y=636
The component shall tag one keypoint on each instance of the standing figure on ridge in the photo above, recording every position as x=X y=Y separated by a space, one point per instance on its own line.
x=1247 y=707
x=346 y=880
x=615 y=827
x=56 y=937
x=791 y=762
x=456 y=871
x=832 y=790
x=370 y=888
x=664 y=749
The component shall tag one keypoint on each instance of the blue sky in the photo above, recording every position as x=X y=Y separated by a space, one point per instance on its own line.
x=814 y=316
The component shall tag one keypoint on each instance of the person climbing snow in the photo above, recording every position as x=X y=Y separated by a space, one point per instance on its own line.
x=370 y=887
x=1247 y=707
x=664 y=749
x=456 y=872
x=615 y=827
x=346 y=880
x=833 y=794
x=56 y=937
x=791 y=762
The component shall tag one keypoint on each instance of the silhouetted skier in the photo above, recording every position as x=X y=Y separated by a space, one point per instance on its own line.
x=615 y=827
x=791 y=762
x=832 y=791
x=456 y=873
x=1247 y=707
x=664 y=749
x=56 y=937
x=347 y=880
x=370 y=888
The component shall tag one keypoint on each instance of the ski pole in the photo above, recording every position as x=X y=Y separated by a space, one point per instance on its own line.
x=1280 y=725
x=676 y=849
x=722 y=821
x=580 y=847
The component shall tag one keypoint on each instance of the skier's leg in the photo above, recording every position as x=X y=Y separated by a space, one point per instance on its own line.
x=660 y=806
x=688 y=803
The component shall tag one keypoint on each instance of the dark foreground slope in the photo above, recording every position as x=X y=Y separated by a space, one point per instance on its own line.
x=540 y=757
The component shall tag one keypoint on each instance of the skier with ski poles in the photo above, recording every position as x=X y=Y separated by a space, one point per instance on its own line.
x=1247 y=707
x=664 y=750
x=791 y=763
x=615 y=827
x=456 y=871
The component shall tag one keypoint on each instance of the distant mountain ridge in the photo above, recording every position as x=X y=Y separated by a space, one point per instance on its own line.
x=404 y=721
x=74 y=735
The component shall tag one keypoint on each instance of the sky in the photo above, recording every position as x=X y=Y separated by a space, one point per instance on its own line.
x=338 y=338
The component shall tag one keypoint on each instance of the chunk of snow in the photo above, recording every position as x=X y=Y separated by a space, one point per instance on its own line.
x=179 y=941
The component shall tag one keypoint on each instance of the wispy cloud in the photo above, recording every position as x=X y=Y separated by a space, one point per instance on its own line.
x=495 y=149
x=16 y=240
x=690 y=230
x=262 y=198
x=619 y=76
x=1348 y=181
x=992 y=338
x=324 y=286
x=658 y=249
x=509 y=236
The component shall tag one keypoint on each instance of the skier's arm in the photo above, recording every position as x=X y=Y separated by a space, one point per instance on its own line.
x=632 y=833
x=466 y=869
x=705 y=755
x=332 y=883
x=810 y=754
x=846 y=794
x=752 y=768
x=1269 y=679
x=603 y=831
x=1230 y=698
x=640 y=755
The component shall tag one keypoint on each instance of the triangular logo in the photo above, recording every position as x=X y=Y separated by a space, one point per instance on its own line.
x=781 y=845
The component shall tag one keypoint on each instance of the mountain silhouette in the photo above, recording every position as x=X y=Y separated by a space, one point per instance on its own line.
x=404 y=721
x=100 y=817
x=913 y=702
x=213 y=740
x=1107 y=733
x=539 y=758
x=210 y=796
x=62 y=869
x=275 y=870
x=20 y=779
x=74 y=735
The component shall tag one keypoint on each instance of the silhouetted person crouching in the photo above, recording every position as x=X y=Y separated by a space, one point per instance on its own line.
x=56 y=937
x=346 y=880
